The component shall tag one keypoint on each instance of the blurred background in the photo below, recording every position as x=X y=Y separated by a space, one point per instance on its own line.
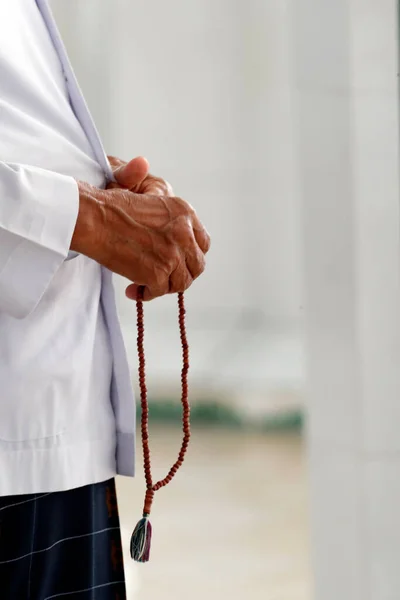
x=207 y=90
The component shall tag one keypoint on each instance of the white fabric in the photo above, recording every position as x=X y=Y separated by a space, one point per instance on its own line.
x=67 y=413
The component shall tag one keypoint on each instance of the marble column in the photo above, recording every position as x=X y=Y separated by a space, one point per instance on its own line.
x=346 y=67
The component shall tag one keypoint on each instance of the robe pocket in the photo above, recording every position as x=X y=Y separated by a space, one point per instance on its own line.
x=27 y=415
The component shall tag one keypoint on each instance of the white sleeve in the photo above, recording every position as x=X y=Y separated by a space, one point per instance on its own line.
x=38 y=212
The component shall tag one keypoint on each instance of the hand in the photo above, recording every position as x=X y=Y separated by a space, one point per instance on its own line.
x=135 y=176
x=154 y=240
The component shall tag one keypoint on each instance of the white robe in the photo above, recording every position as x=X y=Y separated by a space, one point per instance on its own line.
x=67 y=414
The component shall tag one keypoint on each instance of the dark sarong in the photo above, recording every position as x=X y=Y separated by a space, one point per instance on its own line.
x=62 y=545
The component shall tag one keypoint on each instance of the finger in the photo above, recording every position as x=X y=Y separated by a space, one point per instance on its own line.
x=156 y=186
x=195 y=262
x=180 y=279
x=202 y=238
x=133 y=173
x=148 y=293
x=132 y=291
x=115 y=162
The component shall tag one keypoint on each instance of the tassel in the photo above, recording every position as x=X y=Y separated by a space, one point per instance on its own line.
x=141 y=536
x=141 y=541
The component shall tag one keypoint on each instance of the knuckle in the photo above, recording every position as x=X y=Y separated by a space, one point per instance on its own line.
x=184 y=207
x=168 y=188
x=200 y=265
x=165 y=187
x=172 y=258
x=200 y=269
x=180 y=279
x=207 y=241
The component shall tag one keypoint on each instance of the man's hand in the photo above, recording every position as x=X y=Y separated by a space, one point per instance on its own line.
x=152 y=238
x=135 y=176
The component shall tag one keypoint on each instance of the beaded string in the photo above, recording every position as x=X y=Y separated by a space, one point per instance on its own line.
x=141 y=537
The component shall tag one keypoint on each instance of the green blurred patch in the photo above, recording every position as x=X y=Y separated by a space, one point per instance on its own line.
x=219 y=414
x=288 y=421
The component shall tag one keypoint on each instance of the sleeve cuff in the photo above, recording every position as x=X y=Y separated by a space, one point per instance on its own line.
x=35 y=237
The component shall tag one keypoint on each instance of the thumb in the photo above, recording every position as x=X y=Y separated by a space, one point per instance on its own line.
x=133 y=173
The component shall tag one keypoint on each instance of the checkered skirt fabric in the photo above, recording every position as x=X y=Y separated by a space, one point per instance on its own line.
x=62 y=545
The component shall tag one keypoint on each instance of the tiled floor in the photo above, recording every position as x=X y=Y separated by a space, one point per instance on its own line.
x=232 y=525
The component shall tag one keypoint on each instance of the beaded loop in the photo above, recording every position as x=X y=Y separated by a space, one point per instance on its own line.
x=150 y=487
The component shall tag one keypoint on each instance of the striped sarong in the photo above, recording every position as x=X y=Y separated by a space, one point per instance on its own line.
x=64 y=545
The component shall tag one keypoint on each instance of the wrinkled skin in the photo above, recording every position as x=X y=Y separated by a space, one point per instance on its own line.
x=140 y=230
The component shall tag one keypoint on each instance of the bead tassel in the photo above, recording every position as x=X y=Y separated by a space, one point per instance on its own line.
x=141 y=536
x=141 y=541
